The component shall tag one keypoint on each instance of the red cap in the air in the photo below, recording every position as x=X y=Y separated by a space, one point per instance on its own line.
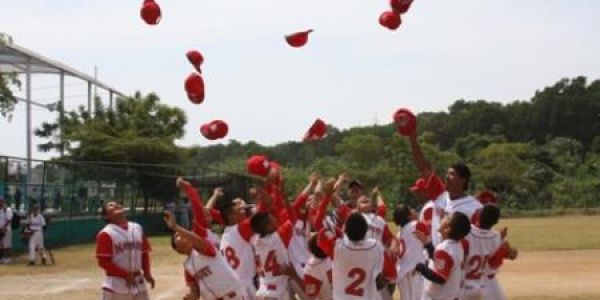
x=298 y=39
x=150 y=12
x=196 y=59
x=406 y=122
x=194 y=87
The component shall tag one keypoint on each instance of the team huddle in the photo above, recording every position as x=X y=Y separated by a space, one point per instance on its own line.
x=325 y=244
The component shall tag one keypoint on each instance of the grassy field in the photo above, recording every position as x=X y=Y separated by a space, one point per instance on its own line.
x=559 y=259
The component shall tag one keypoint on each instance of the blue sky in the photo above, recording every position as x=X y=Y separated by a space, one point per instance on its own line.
x=352 y=72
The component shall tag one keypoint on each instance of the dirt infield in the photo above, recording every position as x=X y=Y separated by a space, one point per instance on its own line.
x=535 y=275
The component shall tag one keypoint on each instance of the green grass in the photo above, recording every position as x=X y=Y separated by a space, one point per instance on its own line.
x=554 y=233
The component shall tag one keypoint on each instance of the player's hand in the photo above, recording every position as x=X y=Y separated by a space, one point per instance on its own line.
x=169 y=219
x=130 y=280
x=328 y=186
x=149 y=279
x=504 y=233
x=422 y=237
x=344 y=177
x=181 y=182
x=218 y=192
x=288 y=270
x=313 y=179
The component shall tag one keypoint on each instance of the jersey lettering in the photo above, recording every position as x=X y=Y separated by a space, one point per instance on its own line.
x=231 y=258
x=476 y=265
x=359 y=276
x=271 y=264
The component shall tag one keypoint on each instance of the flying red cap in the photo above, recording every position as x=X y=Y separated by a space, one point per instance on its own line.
x=390 y=19
x=420 y=185
x=298 y=39
x=400 y=6
x=317 y=131
x=194 y=86
x=150 y=12
x=196 y=59
x=487 y=197
x=406 y=122
x=214 y=130
x=258 y=165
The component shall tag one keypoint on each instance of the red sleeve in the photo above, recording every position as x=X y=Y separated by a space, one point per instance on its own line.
x=245 y=229
x=496 y=260
x=285 y=231
x=189 y=279
x=208 y=249
x=387 y=236
x=381 y=210
x=104 y=247
x=326 y=242
x=299 y=203
x=422 y=227
x=443 y=264
x=389 y=266
x=428 y=214
x=475 y=217
x=146 y=255
x=312 y=286
x=321 y=211
x=435 y=186
x=110 y=268
x=343 y=212
x=216 y=216
x=197 y=206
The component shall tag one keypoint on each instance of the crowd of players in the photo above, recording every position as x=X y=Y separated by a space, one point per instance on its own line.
x=321 y=246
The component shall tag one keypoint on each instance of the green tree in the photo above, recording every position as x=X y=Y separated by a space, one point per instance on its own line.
x=8 y=101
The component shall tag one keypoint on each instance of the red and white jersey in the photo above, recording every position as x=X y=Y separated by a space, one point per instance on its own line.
x=212 y=273
x=448 y=262
x=411 y=248
x=271 y=254
x=483 y=247
x=318 y=278
x=426 y=213
x=378 y=228
x=467 y=205
x=355 y=267
x=237 y=249
x=126 y=252
x=298 y=250
x=36 y=223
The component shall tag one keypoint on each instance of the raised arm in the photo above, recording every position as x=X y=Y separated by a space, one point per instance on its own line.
x=198 y=243
x=195 y=202
x=421 y=162
x=216 y=195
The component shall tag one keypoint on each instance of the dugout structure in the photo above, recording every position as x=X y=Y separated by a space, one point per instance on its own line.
x=70 y=194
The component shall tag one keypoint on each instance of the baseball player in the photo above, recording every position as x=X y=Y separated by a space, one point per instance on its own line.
x=213 y=276
x=360 y=264
x=486 y=250
x=318 y=273
x=409 y=283
x=236 y=244
x=272 y=257
x=123 y=252
x=35 y=223
x=445 y=274
x=6 y=216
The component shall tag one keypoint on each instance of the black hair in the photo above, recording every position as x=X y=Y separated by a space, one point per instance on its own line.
x=460 y=226
x=259 y=222
x=464 y=172
x=356 y=227
x=225 y=208
x=314 y=247
x=490 y=214
x=402 y=215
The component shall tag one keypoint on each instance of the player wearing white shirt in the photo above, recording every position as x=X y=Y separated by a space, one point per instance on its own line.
x=6 y=216
x=122 y=251
x=410 y=284
x=36 y=222
x=445 y=273
x=214 y=278
x=318 y=273
x=360 y=266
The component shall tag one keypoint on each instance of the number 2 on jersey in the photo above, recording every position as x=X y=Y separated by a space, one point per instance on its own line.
x=358 y=275
x=476 y=265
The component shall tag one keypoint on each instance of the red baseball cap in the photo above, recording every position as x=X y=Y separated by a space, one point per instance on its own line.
x=258 y=165
x=406 y=122
x=298 y=39
x=150 y=12
x=194 y=86
x=487 y=197
x=214 y=130
x=400 y=6
x=196 y=59
x=317 y=131
x=390 y=19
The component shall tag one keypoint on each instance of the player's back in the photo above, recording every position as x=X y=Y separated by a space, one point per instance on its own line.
x=238 y=252
x=482 y=245
x=449 y=258
x=355 y=268
x=214 y=276
x=318 y=278
x=271 y=255
x=376 y=226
